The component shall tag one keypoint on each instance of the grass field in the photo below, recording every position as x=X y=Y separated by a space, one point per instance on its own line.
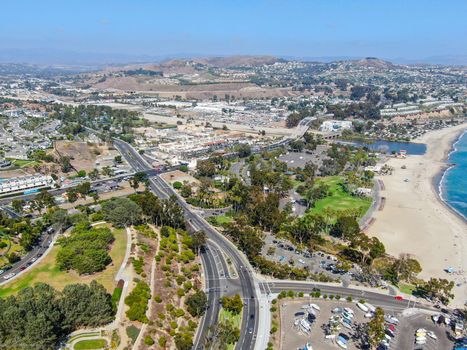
x=407 y=288
x=47 y=271
x=236 y=319
x=223 y=219
x=23 y=163
x=339 y=199
x=90 y=344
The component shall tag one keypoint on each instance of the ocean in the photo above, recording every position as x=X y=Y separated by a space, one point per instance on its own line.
x=453 y=184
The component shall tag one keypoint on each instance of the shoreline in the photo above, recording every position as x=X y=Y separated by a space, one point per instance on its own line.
x=416 y=220
x=439 y=178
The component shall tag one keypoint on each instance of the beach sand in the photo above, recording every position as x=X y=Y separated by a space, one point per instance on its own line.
x=414 y=220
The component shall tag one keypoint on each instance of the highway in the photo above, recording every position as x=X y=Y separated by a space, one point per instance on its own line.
x=212 y=274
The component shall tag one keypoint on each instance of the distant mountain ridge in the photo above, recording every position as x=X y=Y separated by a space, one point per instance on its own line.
x=71 y=58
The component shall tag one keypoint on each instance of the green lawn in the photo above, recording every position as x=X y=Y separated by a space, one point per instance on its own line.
x=406 y=288
x=223 y=219
x=23 y=163
x=339 y=199
x=47 y=271
x=90 y=344
x=236 y=319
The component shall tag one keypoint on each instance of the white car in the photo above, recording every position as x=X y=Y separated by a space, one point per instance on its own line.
x=432 y=335
x=314 y=306
x=10 y=275
x=362 y=307
x=369 y=315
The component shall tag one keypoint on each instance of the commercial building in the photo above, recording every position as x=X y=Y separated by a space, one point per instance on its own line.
x=335 y=125
x=25 y=183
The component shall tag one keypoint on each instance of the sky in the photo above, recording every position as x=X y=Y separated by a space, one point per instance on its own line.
x=295 y=28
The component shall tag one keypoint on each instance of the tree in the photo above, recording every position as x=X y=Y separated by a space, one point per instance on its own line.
x=197 y=303
x=186 y=191
x=40 y=317
x=205 y=168
x=93 y=174
x=122 y=212
x=233 y=304
x=17 y=205
x=107 y=171
x=244 y=150
x=222 y=335
x=183 y=341
x=199 y=240
x=375 y=328
x=44 y=200
x=346 y=227
x=437 y=289
x=118 y=159
x=138 y=178
x=72 y=195
x=83 y=188
x=405 y=268
x=65 y=164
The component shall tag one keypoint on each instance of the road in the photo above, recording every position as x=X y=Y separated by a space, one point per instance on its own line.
x=27 y=260
x=386 y=301
x=213 y=274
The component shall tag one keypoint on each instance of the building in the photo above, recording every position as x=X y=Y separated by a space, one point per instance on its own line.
x=25 y=183
x=4 y=163
x=335 y=125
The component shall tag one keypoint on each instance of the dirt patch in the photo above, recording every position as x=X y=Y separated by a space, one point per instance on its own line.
x=83 y=154
x=180 y=176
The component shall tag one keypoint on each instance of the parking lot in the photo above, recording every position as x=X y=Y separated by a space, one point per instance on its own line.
x=317 y=262
x=327 y=323
x=294 y=335
x=409 y=325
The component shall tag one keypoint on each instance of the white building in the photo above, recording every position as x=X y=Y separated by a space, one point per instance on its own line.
x=335 y=125
x=23 y=183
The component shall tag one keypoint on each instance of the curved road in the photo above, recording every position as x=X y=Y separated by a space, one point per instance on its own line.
x=213 y=275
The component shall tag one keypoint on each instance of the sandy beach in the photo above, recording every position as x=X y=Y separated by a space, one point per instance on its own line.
x=414 y=220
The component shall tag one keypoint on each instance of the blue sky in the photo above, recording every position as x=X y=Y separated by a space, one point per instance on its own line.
x=383 y=28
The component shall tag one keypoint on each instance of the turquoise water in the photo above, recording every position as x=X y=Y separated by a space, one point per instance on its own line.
x=453 y=186
x=389 y=146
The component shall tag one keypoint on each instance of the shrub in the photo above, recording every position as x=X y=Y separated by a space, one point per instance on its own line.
x=148 y=340
x=349 y=299
x=162 y=341
x=177 y=185
x=137 y=300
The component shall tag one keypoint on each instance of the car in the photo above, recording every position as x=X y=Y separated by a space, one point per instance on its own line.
x=22 y=268
x=2 y=271
x=10 y=275
x=432 y=335
x=301 y=261
x=399 y=297
x=316 y=307
x=33 y=259
x=39 y=255
x=362 y=307
x=369 y=315
x=250 y=331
